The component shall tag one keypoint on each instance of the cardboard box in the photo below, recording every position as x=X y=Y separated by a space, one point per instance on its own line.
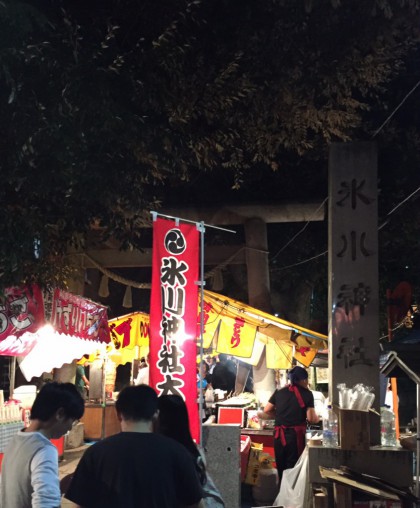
x=254 y=464
x=354 y=429
x=245 y=449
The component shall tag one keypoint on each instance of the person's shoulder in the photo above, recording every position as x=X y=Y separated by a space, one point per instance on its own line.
x=171 y=446
x=305 y=391
x=106 y=442
x=106 y=447
x=167 y=441
x=33 y=437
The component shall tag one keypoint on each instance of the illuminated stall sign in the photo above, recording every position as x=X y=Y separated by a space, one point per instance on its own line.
x=25 y=311
x=22 y=310
x=74 y=315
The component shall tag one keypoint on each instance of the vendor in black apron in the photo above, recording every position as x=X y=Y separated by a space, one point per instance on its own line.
x=291 y=406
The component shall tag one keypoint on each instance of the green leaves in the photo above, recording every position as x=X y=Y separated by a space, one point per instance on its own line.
x=109 y=107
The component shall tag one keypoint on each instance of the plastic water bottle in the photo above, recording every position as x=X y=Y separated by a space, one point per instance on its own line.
x=330 y=429
x=388 y=435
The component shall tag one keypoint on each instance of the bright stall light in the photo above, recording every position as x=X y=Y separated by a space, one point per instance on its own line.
x=46 y=331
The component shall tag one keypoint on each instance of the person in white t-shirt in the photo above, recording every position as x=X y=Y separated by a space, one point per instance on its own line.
x=29 y=476
x=143 y=374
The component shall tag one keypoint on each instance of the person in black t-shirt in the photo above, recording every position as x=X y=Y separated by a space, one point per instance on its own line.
x=136 y=468
x=224 y=374
x=291 y=407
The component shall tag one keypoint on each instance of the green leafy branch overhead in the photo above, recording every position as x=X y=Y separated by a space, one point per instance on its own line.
x=105 y=105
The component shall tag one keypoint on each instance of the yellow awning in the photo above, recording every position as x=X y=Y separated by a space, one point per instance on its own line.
x=230 y=327
x=237 y=329
x=129 y=337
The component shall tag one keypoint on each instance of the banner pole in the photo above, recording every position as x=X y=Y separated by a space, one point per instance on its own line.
x=199 y=224
x=12 y=376
x=202 y=229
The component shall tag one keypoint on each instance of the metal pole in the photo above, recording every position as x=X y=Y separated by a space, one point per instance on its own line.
x=202 y=229
x=418 y=443
x=199 y=224
x=12 y=376
x=103 y=383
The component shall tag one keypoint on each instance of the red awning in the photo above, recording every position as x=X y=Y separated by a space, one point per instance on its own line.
x=49 y=328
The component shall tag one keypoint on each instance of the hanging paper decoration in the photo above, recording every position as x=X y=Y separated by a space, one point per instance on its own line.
x=103 y=291
x=236 y=337
x=211 y=322
x=128 y=298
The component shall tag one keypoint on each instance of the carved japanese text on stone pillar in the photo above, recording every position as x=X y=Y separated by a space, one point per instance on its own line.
x=353 y=267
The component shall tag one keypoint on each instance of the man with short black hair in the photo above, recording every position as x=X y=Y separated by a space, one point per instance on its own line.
x=29 y=476
x=136 y=468
x=224 y=374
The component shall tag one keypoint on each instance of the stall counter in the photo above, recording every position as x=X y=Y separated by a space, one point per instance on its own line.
x=100 y=421
x=264 y=436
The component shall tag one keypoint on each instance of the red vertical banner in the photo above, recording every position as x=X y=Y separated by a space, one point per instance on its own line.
x=173 y=313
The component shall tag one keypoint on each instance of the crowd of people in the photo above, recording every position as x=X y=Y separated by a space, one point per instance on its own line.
x=153 y=461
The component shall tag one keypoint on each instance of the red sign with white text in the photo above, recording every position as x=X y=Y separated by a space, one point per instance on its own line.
x=26 y=309
x=74 y=315
x=173 y=314
x=21 y=311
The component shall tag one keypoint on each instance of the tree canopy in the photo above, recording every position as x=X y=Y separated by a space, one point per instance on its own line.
x=109 y=108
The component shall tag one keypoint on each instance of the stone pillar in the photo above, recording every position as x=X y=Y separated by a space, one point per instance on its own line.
x=259 y=296
x=221 y=444
x=353 y=268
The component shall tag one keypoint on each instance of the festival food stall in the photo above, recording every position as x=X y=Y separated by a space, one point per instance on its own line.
x=129 y=336
x=237 y=329
x=230 y=327
x=50 y=328
x=45 y=329
x=246 y=333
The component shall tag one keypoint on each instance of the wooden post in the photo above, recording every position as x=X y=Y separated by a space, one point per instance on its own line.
x=342 y=496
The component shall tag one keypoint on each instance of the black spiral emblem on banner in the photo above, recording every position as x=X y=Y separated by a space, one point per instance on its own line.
x=175 y=242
